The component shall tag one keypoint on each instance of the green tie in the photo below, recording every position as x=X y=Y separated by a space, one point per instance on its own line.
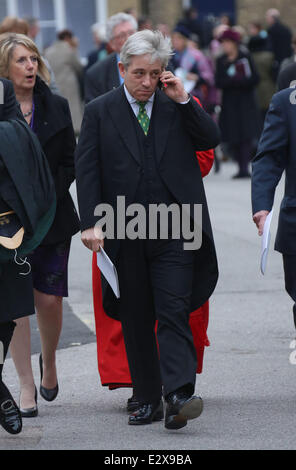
x=143 y=117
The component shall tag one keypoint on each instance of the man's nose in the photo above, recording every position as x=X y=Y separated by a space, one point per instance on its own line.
x=147 y=81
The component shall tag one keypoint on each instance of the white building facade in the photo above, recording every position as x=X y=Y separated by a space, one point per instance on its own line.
x=55 y=15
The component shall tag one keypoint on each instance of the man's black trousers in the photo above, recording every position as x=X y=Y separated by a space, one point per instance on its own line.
x=156 y=284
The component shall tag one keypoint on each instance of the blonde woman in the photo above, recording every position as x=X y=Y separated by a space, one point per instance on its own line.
x=49 y=117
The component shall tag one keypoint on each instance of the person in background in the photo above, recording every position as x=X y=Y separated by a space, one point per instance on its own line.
x=132 y=11
x=12 y=24
x=101 y=51
x=164 y=29
x=292 y=59
x=280 y=37
x=63 y=58
x=49 y=117
x=263 y=58
x=215 y=47
x=192 y=22
x=144 y=23
x=184 y=62
x=239 y=119
x=226 y=20
x=104 y=76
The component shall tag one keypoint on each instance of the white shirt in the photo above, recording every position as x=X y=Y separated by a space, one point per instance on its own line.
x=135 y=107
x=149 y=105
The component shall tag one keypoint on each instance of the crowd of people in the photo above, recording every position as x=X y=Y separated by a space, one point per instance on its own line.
x=211 y=76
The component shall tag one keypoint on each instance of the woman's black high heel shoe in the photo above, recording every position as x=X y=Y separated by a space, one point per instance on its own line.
x=30 y=412
x=49 y=394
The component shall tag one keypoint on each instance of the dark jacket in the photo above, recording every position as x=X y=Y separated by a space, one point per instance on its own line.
x=8 y=105
x=53 y=126
x=276 y=154
x=239 y=119
x=101 y=78
x=108 y=164
x=281 y=41
x=16 y=290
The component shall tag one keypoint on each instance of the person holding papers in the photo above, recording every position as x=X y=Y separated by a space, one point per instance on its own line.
x=139 y=143
x=276 y=155
x=112 y=361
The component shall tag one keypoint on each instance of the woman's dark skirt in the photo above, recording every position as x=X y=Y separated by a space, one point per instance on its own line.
x=50 y=268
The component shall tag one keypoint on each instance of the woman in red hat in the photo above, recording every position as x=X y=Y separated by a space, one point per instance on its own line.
x=239 y=120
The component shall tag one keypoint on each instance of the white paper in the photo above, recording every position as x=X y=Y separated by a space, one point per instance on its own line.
x=265 y=242
x=108 y=270
x=188 y=84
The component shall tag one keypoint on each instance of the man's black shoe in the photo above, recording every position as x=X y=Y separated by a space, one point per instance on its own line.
x=10 y=416
x=147 y=413
x=180 y=408
x=132 y=403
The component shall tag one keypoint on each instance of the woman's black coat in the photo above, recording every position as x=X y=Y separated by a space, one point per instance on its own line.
x=16 y=291
x=53 y=126
x=239 y=119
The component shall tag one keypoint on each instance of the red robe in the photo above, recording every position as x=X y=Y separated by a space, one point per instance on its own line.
x=112 y=360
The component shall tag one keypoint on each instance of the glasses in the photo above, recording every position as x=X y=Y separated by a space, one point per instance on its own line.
x=123 y=35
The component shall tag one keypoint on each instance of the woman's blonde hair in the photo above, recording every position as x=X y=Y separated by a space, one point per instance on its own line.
x=8 y=43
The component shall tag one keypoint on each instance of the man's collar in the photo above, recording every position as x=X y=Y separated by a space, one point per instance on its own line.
x=133 y=100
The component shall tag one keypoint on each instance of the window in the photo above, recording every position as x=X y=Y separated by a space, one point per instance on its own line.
x=3 y=9
x=80 y=15
x=54 y=15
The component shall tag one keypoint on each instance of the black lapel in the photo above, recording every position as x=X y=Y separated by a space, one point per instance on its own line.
x=113 y=74
x=164 y=111
x=122 y=119
x=48 y=119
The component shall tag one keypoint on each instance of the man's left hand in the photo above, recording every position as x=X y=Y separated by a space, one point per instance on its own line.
x=173 y=87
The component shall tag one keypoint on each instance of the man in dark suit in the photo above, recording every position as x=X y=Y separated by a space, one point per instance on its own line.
x=104 y=75
x=276 y=154
x=139 y=143
x=280 y=37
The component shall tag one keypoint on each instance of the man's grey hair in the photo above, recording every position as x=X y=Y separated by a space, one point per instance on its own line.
x=274 y=13
x=100 y=30
x=117 y=19
x=154 y=43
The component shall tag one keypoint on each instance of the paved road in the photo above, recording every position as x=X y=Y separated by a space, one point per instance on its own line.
x=248 y=383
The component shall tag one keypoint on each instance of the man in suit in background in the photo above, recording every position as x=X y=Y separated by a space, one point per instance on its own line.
x=280 y=37
x=140 y=143
x=104 y=75
x=276 y=154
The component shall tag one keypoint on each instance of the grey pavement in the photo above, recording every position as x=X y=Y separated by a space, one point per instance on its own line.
x=248 y=382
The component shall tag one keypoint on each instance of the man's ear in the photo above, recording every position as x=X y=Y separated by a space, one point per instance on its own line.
x=121 y=69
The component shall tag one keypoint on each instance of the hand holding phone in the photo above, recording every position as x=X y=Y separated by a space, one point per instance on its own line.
x=173 y=87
